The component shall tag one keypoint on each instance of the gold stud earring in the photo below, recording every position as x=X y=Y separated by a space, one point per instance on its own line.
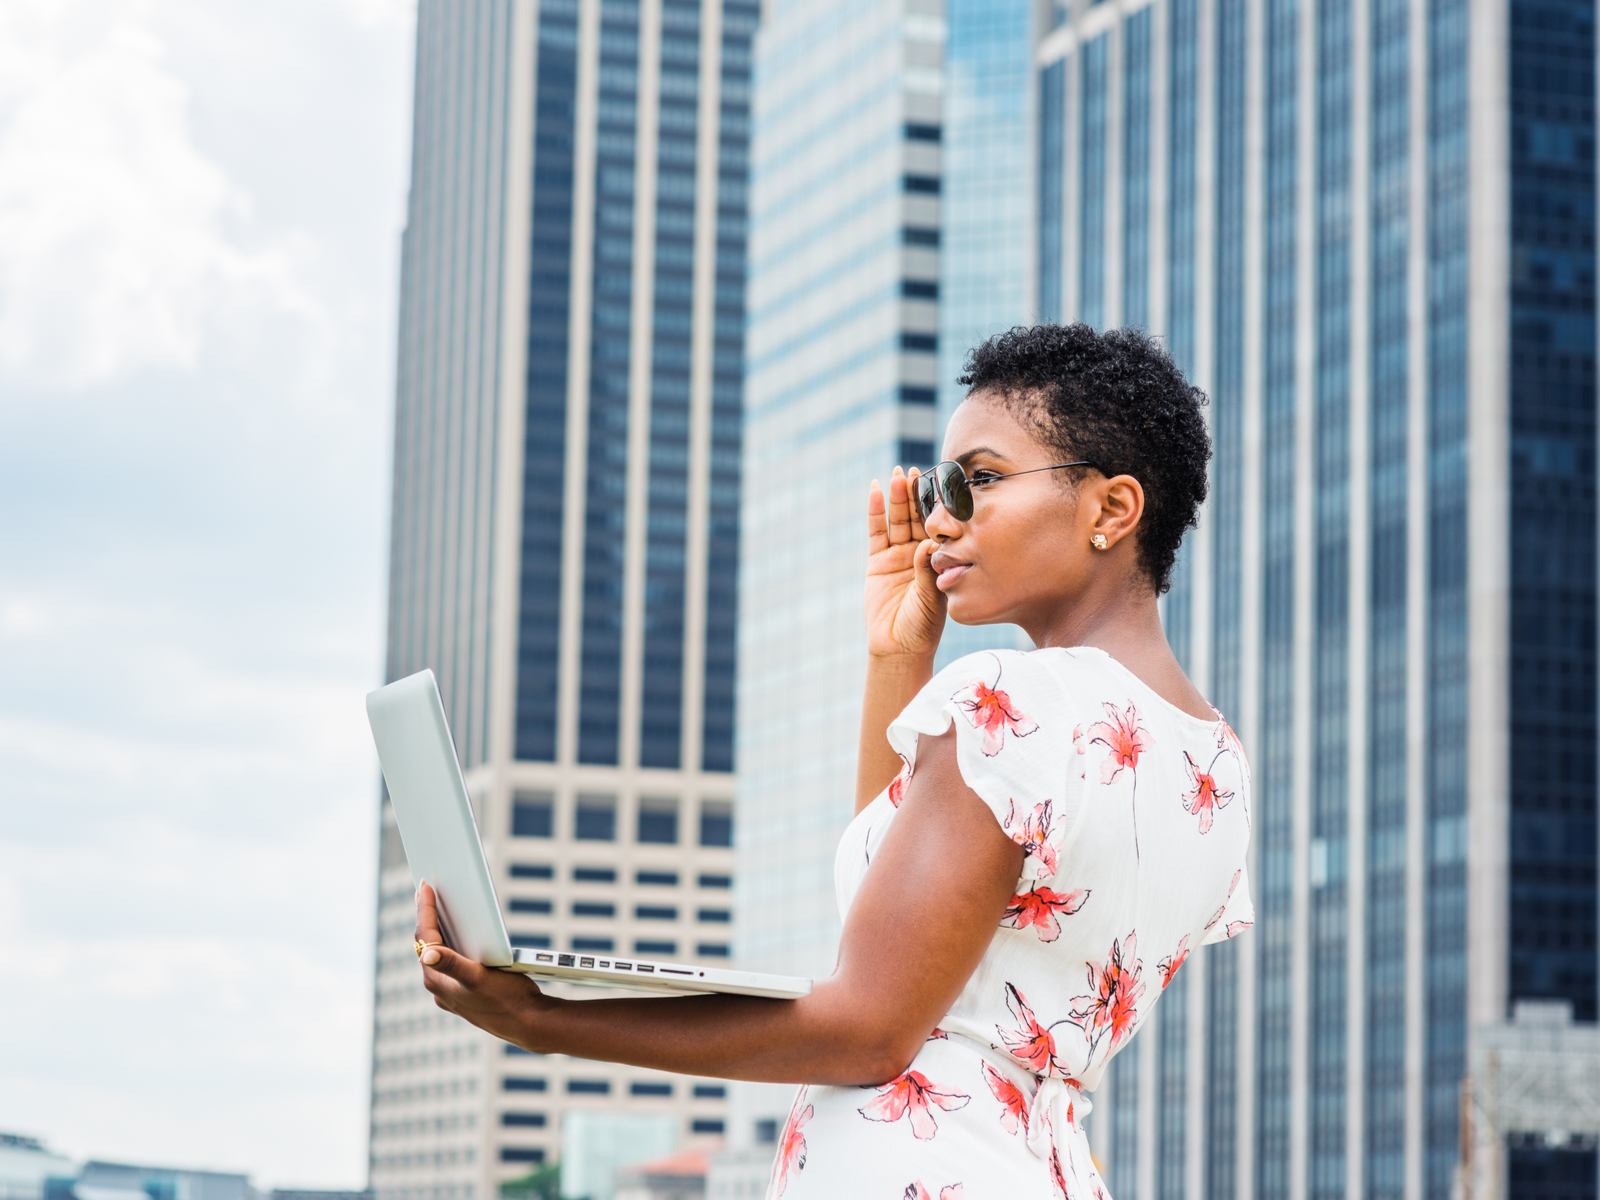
x=1098 y=541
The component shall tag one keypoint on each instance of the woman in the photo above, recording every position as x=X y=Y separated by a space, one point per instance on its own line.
x=1041 y=837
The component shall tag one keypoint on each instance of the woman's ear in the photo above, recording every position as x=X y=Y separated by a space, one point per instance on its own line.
x=1121 y=507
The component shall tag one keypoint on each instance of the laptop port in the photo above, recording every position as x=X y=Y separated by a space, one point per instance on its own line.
x=566 y=960
x=622 y=966
x=604 y=962
x=586 y=962
x=674 y=971
x=646 y=967
x=544 y=958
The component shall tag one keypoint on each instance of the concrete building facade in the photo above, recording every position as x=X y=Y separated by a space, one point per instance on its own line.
x=565 y=531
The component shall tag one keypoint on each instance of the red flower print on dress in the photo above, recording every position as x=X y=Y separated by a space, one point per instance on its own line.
x=912 y=1093
x=1030 y=1042
x=1113 y=1000
x=919 y=1191
x=1168 y=967
x=1125 y=739
x=938 y=1035
x=1123 y=736
x=1014 y=1105
x=1037 y=908
x=1036 y=835
x=1057 y=1176
x=792 y=1146
x=897 y=785
x=1217 y=916
x=991 y=710
x=1203 y=796
x=1235 y=928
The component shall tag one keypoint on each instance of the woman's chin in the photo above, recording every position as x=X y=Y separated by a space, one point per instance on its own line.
x=969 y=610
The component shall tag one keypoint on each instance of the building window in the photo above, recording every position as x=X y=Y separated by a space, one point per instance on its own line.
x=519 y=905
x=512 y=1050
x=532 y=871
x=715 y=881
x=531 y=941
x=533 y=815
x=915 y=452
x=922 y=343
x=656 y=878
x=713 y=950
x=655 y=947
x=766 y=1132
x=604 y=945
x=521 y=1083
x=922 y=185
x=654 y=912
x=918 y=132
x=651 y=1089
x=919 y=289
x=917 y=395
x=594 y=874
x=593 y=908
x=521 y=1154
x=705 y=1125
x=914 y=235
x=588 y=1087
x=721 y=915
x=710 y=1091
x=658 y=822
x=523 y=1119
x=597 y=819
x=716 y=824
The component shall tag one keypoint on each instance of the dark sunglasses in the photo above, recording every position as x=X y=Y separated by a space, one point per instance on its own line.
x=947 y=484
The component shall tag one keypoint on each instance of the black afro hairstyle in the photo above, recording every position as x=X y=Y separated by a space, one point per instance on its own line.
x=1115 y=399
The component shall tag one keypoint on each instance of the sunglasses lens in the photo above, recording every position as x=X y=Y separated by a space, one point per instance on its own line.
x=955 y=493
x=927 y=495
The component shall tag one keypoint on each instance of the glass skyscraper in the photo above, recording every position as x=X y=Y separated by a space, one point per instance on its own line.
x=565 y=537
x=842 y=353
x=1366 y=228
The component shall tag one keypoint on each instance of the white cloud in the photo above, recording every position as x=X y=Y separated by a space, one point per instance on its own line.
x=115 y=231
x=199 y=219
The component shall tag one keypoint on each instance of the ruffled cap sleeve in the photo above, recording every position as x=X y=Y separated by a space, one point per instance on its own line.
x=1016 y=746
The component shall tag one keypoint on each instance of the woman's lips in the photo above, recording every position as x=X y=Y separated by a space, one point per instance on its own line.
x=949 y=569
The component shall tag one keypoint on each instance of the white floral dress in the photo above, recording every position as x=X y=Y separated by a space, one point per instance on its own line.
x=1135 y=817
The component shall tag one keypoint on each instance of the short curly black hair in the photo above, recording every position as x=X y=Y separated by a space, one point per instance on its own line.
x=1117 y=400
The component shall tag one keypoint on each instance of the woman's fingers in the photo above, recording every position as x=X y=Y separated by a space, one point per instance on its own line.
x=427 y=914
x=877 y=522
x=899 y=509
x=917 y=531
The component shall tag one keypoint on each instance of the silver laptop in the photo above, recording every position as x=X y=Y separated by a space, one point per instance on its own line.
x=442 y=845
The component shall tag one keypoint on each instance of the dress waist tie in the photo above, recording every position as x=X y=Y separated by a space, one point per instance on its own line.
x=1056 y=1108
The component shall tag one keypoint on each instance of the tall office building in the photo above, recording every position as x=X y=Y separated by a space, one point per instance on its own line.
x=842 y=353
x=1366 y=228
x=565 y=530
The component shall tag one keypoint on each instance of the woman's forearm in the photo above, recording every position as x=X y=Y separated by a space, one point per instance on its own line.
x=892 y=683
x=729 y=1037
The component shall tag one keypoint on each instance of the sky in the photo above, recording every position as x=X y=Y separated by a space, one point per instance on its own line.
x=200 y=210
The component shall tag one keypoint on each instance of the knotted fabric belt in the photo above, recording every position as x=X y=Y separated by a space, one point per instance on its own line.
x=1057 y=1106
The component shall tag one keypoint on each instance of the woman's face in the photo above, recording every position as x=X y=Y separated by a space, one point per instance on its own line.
x=1025 y=551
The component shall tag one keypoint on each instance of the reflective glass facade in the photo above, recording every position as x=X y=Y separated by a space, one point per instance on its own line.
x=1392 y=592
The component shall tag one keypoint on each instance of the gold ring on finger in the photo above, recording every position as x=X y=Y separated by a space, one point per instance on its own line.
x=420 y=946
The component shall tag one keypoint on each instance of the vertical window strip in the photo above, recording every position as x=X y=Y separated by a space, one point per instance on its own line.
x=739 y=18
x=1052 y=167
x=1232 y=65
x=1552 y=551
x=666 y=545
x=1136 y=169
x=1183 y=98
x=1172 y=1088
x=545 y=428
x=1274 y=823
x=1092 y=184
x=1387 y=732
x=1124 y=1175
x=1445 y=975
x=1329 y=899
x=606 y=487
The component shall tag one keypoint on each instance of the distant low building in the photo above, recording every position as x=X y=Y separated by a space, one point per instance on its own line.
x=26 y=1167
x=680 y=1176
